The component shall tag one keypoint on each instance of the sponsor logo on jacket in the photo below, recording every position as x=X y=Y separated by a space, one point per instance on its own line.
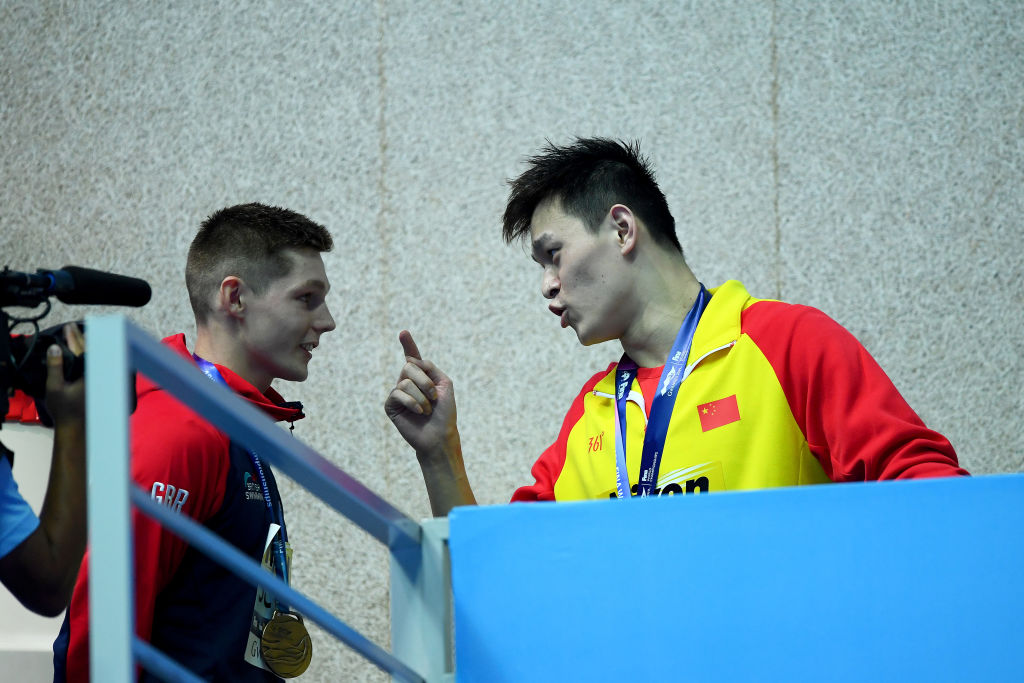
x=703 y=478
x=252 y=488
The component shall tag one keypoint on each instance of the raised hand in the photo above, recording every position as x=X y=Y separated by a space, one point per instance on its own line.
x=422 y=408
x=422 y=404
x=65 y=401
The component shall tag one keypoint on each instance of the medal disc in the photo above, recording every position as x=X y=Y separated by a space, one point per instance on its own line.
x=285 y=645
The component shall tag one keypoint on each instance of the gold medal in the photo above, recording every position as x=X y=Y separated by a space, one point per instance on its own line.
x=285 y=645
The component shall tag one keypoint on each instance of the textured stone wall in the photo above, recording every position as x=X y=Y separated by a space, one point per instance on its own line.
x=859 y=157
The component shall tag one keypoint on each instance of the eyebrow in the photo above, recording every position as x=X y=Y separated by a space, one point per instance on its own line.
x=314 y=284
x=537 y=247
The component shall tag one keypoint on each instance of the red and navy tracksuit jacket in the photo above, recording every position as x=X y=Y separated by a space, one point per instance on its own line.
x=187 y=605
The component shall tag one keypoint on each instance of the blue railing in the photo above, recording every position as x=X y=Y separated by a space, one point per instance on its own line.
x=116 y=348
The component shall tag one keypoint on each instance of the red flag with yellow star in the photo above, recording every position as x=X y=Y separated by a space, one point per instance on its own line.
x=718 y=413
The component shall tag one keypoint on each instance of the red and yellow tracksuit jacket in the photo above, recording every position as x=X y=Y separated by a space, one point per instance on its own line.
x=776 y=395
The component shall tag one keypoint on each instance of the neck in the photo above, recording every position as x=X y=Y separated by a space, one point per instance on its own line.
x=666 y=292
x=214 y=345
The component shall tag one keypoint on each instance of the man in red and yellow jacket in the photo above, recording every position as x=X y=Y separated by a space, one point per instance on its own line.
x=715 y=390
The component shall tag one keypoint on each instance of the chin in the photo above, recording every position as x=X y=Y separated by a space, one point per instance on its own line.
x=294 y=375
x=592 y=339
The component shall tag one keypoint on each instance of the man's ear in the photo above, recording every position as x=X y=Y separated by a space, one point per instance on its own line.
x=626 y=228
x=231 y=296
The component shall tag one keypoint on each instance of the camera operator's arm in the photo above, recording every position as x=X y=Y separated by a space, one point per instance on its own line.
x=41 y=571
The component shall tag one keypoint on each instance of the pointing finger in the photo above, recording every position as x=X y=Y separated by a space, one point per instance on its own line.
x=409 y=345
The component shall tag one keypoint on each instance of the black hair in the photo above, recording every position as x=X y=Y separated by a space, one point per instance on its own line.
x=588 y=177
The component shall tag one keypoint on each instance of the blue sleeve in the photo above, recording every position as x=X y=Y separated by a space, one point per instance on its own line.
x=17 y=521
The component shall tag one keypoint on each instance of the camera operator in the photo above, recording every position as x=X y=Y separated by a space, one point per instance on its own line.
x=39 y=557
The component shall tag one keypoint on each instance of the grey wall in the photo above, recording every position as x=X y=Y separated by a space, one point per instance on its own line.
x=859 y=157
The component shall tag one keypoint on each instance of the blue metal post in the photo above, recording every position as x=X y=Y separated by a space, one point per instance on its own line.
x=421 y=604
x=111 y=599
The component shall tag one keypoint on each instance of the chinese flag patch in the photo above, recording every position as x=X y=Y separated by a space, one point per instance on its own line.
x=718 y=413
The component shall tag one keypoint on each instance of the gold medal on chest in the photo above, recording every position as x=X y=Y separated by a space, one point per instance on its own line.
x=285 y=645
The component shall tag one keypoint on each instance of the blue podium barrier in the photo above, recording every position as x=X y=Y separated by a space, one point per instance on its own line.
x=907 y=581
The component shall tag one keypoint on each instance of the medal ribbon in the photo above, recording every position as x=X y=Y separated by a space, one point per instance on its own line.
x=661 y=408
x=276 y=512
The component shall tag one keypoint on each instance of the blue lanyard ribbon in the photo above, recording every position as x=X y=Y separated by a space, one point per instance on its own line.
x=276 y=512
x=661 y=408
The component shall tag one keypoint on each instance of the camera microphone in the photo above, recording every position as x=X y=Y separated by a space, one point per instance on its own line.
x=75 y=285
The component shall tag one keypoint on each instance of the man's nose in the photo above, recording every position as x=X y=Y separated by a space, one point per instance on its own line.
x=325 y=322
x=549 y=284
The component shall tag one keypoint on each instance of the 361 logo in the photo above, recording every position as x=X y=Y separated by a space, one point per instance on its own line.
x=596 y=443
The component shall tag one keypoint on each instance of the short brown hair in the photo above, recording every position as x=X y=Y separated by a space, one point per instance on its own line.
x=249 y=241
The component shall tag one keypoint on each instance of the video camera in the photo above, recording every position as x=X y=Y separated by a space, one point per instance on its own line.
x=23 y=357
